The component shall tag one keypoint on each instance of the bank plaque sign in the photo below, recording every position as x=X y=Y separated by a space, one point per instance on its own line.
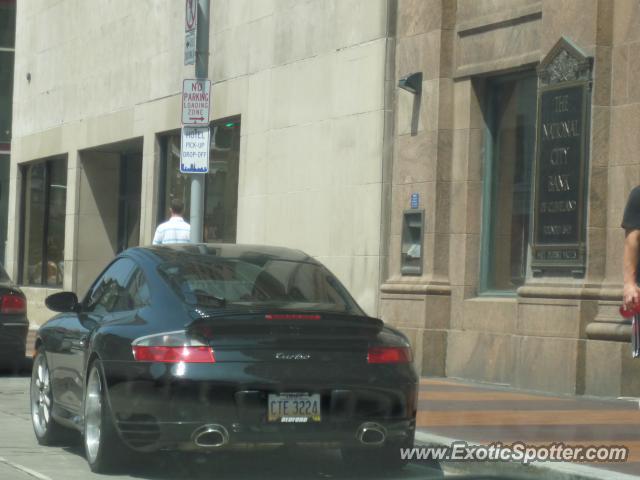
x=564 y=90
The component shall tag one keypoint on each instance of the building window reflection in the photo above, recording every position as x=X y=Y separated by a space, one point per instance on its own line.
x=43 y=228
x=508 y=181
x=221 y=184
x=7 y=41
x=7 y=55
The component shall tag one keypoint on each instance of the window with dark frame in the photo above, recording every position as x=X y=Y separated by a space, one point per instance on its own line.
x=44 y=188
x=7 y=58
x=221 y=184
x=121 y=288
x=511 y=108
x=7 y=55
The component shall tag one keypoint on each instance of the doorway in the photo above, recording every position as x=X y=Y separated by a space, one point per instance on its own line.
x=109 y=206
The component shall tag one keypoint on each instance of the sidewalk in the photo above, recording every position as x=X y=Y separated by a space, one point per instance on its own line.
x=482 y=414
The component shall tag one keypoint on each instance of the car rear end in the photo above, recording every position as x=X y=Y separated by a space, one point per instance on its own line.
x=14 y=325
x=275 y=352
x=267 y=379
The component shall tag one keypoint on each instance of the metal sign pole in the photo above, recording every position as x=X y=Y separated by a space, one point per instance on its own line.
x=202 y=71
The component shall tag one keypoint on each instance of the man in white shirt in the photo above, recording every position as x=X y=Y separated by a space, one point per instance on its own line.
x=174 y=230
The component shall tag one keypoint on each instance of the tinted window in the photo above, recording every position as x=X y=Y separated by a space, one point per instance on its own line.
x=271 y=282
x=110 y=293
x=43 y=217
x=505 y=244
x=139 y=290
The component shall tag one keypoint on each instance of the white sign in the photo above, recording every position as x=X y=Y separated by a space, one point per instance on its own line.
x=194 y=150
x=190 y=48
x=195 y=102
x=190 y=15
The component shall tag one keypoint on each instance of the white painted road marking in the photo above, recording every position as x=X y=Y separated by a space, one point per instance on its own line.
x=24 y=469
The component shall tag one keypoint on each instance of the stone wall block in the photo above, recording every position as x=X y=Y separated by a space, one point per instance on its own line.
x=434 y=349
x=403 y=310
x=418 y=16
x=600 y=136
x=495 y=315
x=415 y=158
x=574 y=20
x=619 y=74
x=547 y=364
x=482 y=356
x=548 y=318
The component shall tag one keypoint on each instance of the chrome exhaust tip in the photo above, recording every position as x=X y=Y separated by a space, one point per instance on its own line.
x=371 y=433
x=211 y=436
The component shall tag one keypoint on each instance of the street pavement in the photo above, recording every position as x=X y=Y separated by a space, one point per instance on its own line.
x=483 y=414
x=448 y=410
x=21 y=458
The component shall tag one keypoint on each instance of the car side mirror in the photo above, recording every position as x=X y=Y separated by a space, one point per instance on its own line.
x=62 y=302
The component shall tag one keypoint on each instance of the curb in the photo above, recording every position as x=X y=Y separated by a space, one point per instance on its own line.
x=555 y=470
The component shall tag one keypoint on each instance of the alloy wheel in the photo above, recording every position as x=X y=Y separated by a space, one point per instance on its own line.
x=93 y=415
x=41 y=400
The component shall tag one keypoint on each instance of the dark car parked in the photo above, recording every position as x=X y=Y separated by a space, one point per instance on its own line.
x=14 y=325
x=213 y=347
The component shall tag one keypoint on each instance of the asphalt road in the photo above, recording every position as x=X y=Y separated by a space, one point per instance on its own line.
x=21 y=458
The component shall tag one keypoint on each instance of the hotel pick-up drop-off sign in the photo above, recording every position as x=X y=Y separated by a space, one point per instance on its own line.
x=194 y=147
x=194 y=150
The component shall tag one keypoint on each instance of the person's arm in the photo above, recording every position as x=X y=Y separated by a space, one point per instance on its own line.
x=631 y=293
x=631 y=225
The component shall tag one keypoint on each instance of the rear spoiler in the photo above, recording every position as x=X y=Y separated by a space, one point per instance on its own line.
x=269 y=323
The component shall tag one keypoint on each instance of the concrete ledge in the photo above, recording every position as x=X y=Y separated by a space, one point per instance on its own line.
x=501 y=19
x=555 y=470
x=416 y=288
x=570 y=292
x=502 y=64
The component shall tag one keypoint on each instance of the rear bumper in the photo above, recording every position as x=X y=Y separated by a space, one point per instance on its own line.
x=155 y=408
x=13 y=338
x=152 y=436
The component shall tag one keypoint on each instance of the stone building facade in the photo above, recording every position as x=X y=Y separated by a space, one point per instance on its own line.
x=472 y=146
x=461 y=165
x=298 y=110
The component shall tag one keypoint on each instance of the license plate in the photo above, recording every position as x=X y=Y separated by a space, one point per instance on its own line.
x=294 y=408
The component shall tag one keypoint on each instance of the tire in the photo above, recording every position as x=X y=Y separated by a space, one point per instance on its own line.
x=103 y=448
x=47 y=430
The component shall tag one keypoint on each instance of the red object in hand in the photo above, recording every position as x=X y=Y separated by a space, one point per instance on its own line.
x=629 y=313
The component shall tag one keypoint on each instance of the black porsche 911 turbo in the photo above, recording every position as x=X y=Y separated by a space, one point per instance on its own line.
x=206 y=347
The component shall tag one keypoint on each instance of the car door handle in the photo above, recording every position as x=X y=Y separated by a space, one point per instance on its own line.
x=80 y=343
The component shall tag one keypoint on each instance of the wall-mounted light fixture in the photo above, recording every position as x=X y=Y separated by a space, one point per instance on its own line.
x=412 y=83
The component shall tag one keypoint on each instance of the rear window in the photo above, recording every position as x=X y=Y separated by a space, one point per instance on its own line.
x=218 y=282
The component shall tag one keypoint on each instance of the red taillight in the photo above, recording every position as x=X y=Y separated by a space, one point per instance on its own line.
x=389 y=355
x=290 y=316
x=13 y=304
x=186 y=354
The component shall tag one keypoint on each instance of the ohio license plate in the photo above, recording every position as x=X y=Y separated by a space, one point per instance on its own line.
x=294 y=408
